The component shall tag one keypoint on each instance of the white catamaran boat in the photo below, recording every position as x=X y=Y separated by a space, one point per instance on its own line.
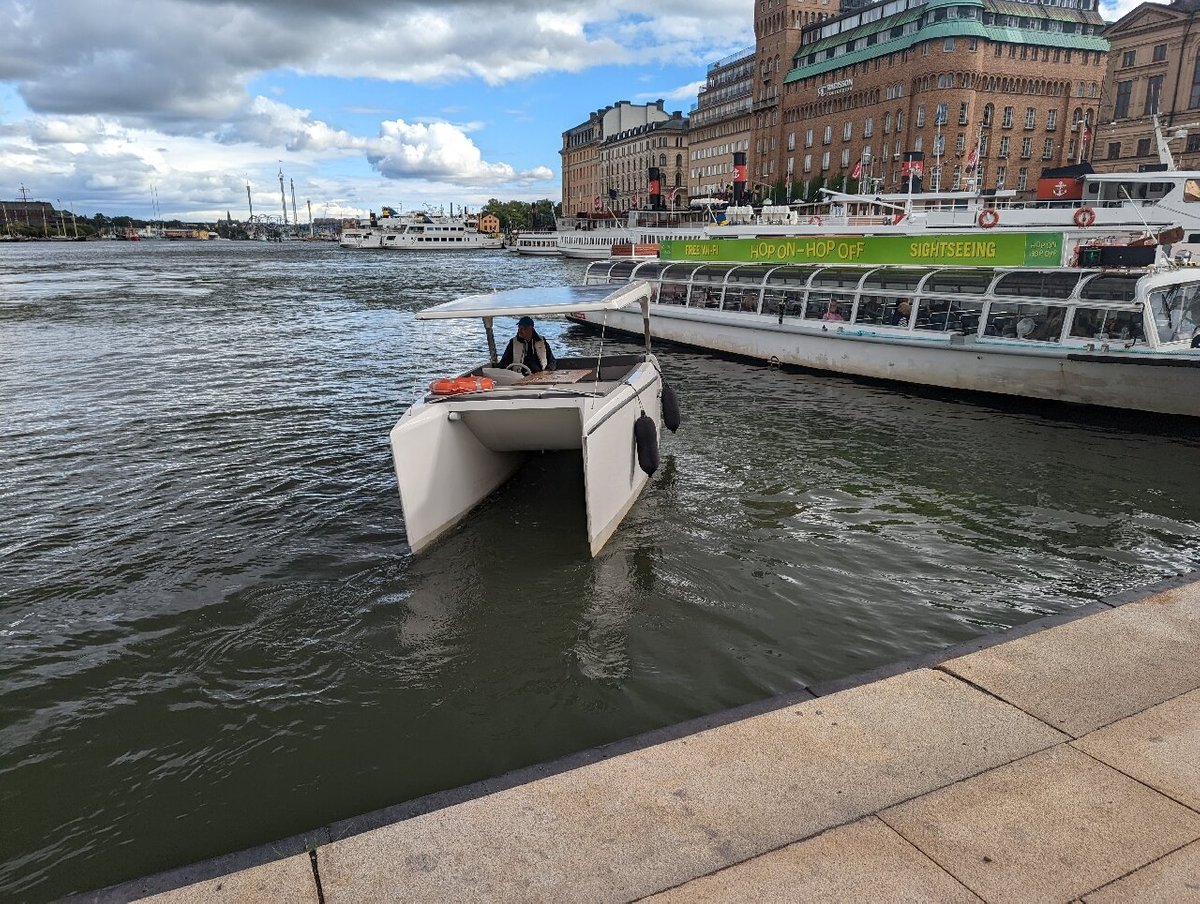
x=538 y=244
x=420 y=232
x=472 y=432
x=1121 y=336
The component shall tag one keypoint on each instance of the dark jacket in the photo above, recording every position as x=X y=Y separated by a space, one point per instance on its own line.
x=528 y=353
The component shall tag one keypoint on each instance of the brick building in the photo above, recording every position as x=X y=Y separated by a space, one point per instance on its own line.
x=1153 y=68
x=1020 y=79
x=626 y=158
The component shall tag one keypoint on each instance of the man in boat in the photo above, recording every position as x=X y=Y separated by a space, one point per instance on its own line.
x=528 y=348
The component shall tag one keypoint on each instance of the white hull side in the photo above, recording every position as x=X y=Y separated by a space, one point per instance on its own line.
x=1125 y=380
x=443 y=472
x=612 y=478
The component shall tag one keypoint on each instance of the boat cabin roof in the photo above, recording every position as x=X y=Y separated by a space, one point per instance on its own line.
x=541 y=300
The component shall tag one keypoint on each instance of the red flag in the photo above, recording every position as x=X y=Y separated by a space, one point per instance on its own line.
x=856 y=173
x=973 y=158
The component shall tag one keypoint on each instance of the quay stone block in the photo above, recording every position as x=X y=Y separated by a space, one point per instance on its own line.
x=1092 y=672
x=1160 y=748
x=864 y=861
x=655 y=818
x=1050 y=827
x=289 y=880
x=1173 y=879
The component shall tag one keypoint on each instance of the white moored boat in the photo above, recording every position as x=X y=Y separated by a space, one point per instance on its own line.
x=1120 y=336
x=538 y=244
x=420 y=232
x=473 y=431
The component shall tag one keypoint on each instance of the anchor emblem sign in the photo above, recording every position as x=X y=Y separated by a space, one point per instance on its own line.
x=1060 y=188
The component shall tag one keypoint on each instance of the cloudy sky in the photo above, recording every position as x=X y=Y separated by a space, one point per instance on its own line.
x=107 y=105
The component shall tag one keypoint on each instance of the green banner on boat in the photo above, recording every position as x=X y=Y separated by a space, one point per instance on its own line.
x=974 y=249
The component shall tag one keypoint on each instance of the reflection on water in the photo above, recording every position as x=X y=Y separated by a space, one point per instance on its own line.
x=214 y=634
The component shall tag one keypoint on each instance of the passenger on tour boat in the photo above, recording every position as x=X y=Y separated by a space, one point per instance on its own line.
x=528 y=348
x=831 y=312
x=899 y=317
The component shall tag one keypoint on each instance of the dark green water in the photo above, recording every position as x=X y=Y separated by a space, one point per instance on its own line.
x=213 y=633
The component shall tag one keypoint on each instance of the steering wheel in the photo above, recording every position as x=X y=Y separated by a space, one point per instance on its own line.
x=520 y=368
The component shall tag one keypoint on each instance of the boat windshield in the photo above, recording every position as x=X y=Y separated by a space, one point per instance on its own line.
x=1176 y=311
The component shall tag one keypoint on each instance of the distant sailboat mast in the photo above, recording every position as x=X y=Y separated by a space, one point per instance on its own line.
x=249 y=201
x=282 y=196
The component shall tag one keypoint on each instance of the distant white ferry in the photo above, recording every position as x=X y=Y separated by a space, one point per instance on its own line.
x=419 y=232
x=538 y=244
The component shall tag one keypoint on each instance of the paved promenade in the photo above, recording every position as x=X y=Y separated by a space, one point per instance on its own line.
x=1058 y=765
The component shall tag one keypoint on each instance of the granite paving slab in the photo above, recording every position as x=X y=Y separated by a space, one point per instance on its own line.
x=1092 y=672
x=1050 y=827
x=864 y=861
x=290 y=880
x=1160 y=747
x=1172 y=880
x=654 y=818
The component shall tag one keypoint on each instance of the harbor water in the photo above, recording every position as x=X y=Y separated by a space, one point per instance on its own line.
x=214 y=634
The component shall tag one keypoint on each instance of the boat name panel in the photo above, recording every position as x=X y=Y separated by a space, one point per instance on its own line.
x=1013 y=250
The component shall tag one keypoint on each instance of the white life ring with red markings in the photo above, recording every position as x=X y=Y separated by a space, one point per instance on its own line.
x=1084 y=217
x=988 y=217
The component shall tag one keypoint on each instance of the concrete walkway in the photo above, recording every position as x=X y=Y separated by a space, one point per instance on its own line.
x=1063 y=764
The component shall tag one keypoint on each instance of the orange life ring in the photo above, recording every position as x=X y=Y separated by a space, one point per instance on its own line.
x=1084 y=217
x=988 y=217
x=814 y=221
x=455 y=385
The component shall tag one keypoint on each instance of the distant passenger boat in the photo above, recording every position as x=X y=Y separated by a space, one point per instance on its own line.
x=1118 y=334
x=537 y=244
x=419 y=232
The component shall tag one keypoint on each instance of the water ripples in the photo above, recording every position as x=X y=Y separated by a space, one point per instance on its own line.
x=214 y=634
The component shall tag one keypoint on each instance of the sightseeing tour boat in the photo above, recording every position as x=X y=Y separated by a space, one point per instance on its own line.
x=990 y=313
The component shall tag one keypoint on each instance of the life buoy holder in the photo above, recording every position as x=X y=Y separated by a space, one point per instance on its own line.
x=814 y=221
x=988 y=217
x=455 y=385
x=1084 y=217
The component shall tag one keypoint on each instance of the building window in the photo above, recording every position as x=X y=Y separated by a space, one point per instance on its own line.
x=869 y=127
x=962 y=113
x=1051 y=120
x=1048 y=149
x=845 y=157
x=1022 y=178
x=1030 y=117
x=1143 y=147
x=941 y=112
x=1153 y=93
x=825 y=161
x=919 y=143
x=989 y=111
x=1128 y=58
x=1194 y=97
x=828 y=137
x=808 y=163
x=791 y=144
x=1001 y=174
x=808 y=138
x=1121 y=107
x=920 y=115
x=948 y=45
x=887 y=123
x=1004 y=146
x=1193 y=144
x=1160 y=52
x=1026 y=148
x=1114 y=150
x=1007 y=120
x=960 y=143
x=847 y=130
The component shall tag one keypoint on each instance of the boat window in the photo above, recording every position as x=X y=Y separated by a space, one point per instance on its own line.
x=1191 y=190
x=1106 y=323
x=959 y=282
x=894 y=309
x=831 y=306
x=1038 y=283
x=704 y=296
x=1176 y=311
x=870 y=309
x=622 y=269
x=673 y=293
x=741 y=300
x=949 y=314
x=1111 y=287
x=1025 y=320
x=834 y=277
x=895 y=280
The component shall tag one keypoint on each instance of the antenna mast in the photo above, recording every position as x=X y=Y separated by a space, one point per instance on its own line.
x=282 y=196
x=295 y=217
x=249 y=201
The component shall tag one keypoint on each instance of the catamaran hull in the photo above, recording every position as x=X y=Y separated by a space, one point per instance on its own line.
x=450 y=454
x=1117 y=379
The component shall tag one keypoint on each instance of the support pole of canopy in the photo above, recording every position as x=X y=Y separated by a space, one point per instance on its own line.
x=491 y=338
